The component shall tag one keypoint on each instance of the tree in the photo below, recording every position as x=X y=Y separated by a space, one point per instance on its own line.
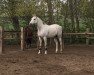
x=9 y=9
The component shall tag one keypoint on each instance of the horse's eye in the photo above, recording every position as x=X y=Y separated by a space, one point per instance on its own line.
x=34 y=19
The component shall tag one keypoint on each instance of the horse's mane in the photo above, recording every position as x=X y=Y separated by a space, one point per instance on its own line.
x=42 y=21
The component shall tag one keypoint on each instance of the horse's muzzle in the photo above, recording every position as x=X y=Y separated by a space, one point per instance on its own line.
x=30 y=24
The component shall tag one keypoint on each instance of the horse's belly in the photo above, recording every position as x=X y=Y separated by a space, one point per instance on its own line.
x=52 y=33
x=42 y=34
x=47 y=34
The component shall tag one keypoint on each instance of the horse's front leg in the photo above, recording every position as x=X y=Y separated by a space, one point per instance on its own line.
x=45 y=41
x=40 y=45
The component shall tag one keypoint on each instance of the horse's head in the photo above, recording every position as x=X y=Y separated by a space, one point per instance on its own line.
x=33 y=20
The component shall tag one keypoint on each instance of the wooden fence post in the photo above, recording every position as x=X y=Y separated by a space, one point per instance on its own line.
x=87 y=39
x=22 y=39
x=1 y=39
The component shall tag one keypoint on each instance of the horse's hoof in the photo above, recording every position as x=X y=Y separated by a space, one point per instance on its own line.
x=56 y=51
x=61 y=51
x=38 y=52
x=45 y=52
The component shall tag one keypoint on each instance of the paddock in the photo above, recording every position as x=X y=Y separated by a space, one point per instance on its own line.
x=75 y=59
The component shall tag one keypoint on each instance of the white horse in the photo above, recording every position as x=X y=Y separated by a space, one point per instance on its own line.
x=47 y=31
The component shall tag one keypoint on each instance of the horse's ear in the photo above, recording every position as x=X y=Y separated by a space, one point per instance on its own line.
x=34 y=14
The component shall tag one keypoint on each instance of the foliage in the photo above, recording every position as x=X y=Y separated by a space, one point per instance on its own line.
x=72 y=15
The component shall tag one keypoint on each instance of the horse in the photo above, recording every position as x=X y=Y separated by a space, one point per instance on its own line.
x=47 y=31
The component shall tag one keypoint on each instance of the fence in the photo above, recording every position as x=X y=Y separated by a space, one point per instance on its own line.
x=2 y=37
x=87 y=34
x=22 y=37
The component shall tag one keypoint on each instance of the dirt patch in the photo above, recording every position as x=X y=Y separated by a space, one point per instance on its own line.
x=75 y=60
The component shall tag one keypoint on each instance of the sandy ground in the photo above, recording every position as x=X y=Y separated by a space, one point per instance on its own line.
x=75 y=60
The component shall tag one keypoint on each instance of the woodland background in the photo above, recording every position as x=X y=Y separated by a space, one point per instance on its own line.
x=72 y=15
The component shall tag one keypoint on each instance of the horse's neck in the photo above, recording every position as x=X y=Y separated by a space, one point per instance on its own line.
x=39 y=24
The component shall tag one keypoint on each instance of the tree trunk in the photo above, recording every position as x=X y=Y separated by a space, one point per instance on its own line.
x=76 y=16
x=65 y=16
x=15 y=22
x=12 y=6
x=77 y=23
x=65 y=20
x=72 y=14
x=50 y=11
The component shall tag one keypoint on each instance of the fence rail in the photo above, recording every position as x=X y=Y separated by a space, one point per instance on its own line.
x=78 y=33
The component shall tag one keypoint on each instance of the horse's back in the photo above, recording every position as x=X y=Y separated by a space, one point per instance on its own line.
x=57 y=27
x=55 y=30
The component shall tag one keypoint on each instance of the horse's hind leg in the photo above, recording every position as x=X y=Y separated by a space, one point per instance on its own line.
x=56 y=42
x=45 y=41
x=40 y=44
x=61 y=45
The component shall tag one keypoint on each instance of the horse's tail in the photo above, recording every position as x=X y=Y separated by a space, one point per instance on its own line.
x=62 y=33
x=63 y=38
